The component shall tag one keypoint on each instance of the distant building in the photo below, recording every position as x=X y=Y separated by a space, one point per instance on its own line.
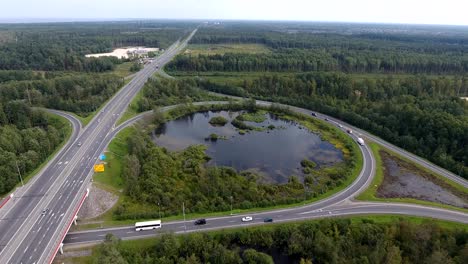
x=140 y=52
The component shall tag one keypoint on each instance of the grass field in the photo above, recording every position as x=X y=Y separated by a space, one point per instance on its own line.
x=211 y=49
x=116 y=150
x=370 y=193
x=123 y=69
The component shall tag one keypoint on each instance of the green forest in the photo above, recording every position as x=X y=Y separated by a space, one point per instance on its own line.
x=324 y=241
x=62 y=46
x=27 y=138
x=418 y=111
x=308 y=47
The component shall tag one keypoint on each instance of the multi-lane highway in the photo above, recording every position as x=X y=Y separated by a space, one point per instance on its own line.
x=340 y=204
x=35 y=221
x=28 y=234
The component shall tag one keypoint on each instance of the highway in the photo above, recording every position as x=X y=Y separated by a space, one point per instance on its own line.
x=28 y=234
x=340 y=204
x=279 y=216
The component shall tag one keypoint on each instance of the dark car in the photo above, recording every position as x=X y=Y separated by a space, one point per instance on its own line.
x=326 y=119
x=314 y=114
x=268 y=220
x=200 y=222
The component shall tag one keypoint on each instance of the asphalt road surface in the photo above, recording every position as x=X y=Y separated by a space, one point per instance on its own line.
x=35 y=221
x=340 y=204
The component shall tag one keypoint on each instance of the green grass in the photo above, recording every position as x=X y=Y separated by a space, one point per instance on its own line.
x=116 y=150
x=370 y=194
x=119 y=147
x=211 y=49
x=371 y=191
x=123 y=70
x=257 y=116
x=67 y=130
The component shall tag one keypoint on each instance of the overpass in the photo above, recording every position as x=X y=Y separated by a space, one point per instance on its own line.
x=34 y=221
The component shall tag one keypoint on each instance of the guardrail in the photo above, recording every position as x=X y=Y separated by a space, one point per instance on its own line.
x=65 y=231
x=4 y=201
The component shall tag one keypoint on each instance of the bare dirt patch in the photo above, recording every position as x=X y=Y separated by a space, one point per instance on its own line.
x=404 y=180
x=97 y=203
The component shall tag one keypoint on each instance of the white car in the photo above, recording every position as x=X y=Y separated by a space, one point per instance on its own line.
x=247 y=219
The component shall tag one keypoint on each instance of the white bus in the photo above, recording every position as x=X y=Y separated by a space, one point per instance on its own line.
x=148 y=225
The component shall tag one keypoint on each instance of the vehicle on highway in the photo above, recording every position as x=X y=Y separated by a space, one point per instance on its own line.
x=360 y=141
x=326 y=119
x=349 y=131
x=200 y=222
x=45 y=211
x=247 y=219
x=314 y=114
x=148 y=225
x=79 y=144
x=340 y=126
x=268 y=220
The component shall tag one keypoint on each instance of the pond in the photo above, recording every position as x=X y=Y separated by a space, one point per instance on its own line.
x=274 y=154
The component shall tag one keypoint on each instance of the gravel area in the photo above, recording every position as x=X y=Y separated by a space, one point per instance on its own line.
x=404 y=180
x=97 y=203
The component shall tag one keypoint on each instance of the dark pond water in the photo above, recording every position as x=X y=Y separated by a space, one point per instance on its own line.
x=275 y=154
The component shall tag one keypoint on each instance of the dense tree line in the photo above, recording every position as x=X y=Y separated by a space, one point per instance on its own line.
x=62 y=46
x=416 y=113
x=156 y=176
x=319 y=47
x=325 y=241
x=6 y=76
x=163 y=92
x=320 y=60
x=27 y=138
x=78 y=93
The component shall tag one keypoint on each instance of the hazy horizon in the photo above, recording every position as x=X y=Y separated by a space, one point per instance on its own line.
x=418 y=12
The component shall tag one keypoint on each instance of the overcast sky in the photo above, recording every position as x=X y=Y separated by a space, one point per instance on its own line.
x=452 y=12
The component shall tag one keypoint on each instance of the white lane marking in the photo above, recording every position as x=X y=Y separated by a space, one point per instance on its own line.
x=25 y=249
x=101 y=235
x=71 y=238
x=232 y=221
x=129 y=232
x=62 y=214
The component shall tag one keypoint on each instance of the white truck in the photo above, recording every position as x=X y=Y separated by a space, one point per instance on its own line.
x=360 y=141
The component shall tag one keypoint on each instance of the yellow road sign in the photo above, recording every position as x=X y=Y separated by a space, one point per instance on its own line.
x=99 y=168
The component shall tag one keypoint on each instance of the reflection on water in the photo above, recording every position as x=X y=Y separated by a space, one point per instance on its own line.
x=274 y=153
